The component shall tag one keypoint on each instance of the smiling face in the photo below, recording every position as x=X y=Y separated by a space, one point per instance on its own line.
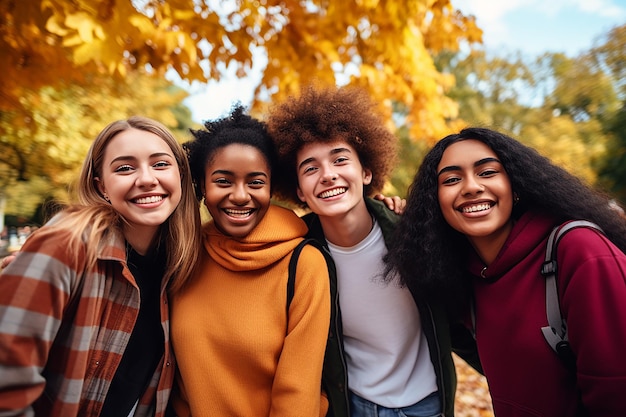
x=237 y=188
x=140 y=178
x=475 y=194
x=331 y=178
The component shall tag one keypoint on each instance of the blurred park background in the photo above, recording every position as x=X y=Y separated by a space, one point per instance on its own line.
x=69 y=67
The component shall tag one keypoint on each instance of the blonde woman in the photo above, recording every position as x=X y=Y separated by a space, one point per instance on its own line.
x=84 y=322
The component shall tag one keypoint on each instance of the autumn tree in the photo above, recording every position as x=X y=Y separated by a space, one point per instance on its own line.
x=610 y=55
x=553 y=103
x=41 y=156
x=493 y=91
x=383 y=45
x=582 y=90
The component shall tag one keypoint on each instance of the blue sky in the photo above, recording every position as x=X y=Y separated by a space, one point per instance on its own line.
x=537 y=26
x=529 y=26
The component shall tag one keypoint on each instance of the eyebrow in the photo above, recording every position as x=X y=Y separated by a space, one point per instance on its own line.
x=476 y=164
x=134 y=158
x=249 y=174
x=332 y=152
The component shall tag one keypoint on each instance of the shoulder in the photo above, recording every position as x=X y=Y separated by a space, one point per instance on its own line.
x=584 y=251
x=311 y=259
x=49 y=240
x=587 y=240
x=311 y=273
x=311 y=251
x=314 y=227
x=309 y=217
x=283 y=216
x=45 y=257
x=381 y=212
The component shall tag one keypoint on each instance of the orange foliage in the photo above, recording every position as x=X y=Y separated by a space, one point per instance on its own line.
x=383 y=45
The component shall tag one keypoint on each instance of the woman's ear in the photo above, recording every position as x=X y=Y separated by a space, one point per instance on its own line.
x=100 y=187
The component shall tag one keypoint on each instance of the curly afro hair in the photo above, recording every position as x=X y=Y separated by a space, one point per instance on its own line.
x=327 y=115
x=236 y=128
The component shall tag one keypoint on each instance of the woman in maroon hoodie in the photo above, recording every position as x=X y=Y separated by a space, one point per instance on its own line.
x=477 y=221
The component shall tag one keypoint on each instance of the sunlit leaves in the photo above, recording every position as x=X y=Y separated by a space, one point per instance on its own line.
x=556 y=104
x=49 y=145
x=383 y=45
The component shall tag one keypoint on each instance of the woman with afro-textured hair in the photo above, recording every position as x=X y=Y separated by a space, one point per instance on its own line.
x=478 y=217
x=242 y=348
x=388 y=346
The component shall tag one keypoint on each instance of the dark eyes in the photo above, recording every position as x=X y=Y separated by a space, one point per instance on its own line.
x=257 y=183
x=451 y=180
x=338 y=161
x=488 y=173
x=123 y=168
x=156 y=165
x=485 y=173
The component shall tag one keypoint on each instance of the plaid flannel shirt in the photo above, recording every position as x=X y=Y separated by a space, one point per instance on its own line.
x=63 y=330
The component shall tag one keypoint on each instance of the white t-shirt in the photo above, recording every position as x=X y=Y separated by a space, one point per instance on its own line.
x=386 y=350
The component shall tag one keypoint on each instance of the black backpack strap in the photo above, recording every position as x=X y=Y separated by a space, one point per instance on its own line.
x=556 y=331
x=293 y=263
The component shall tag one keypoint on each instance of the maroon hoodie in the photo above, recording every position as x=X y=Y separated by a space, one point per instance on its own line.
x=526 y=377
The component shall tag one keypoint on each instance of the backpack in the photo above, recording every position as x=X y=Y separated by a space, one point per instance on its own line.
x=556 y=331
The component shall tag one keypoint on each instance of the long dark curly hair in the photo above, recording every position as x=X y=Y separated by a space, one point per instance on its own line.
x=429 y=254
x=328 y=114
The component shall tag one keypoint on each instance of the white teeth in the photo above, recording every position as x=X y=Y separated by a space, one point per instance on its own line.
x=146 y=200
x=238 y=213
x=478 y=207
x=333 y=192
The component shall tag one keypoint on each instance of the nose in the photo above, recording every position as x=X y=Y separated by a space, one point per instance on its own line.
x=328 y=175
x=240 y=195
x=471 y=185
x=146 y=178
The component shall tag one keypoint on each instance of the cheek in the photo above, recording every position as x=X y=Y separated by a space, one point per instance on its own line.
x=265 y=197
x=304 y=187
x=507 y=204
x=446 y=205
x=446 y=199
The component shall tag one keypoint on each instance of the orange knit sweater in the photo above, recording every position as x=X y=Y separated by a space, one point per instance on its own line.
x=236 y=353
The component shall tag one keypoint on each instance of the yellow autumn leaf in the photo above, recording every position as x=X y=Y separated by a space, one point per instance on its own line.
x=85 y=53
x=142 y=23
x=53 y=25
x=83 y=24
x=383 y=45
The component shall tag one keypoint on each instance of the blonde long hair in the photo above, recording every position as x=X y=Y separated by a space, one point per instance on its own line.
x=91 y=218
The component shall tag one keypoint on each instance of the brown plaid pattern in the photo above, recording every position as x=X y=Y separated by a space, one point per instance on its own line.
x=63 y=330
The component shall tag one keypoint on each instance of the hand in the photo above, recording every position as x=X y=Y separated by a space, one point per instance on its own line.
x=395 y=203
x=6 y=261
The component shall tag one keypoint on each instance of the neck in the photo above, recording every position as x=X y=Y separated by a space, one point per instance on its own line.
x=488 y=247
x=348 y=229
x=140 y=240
